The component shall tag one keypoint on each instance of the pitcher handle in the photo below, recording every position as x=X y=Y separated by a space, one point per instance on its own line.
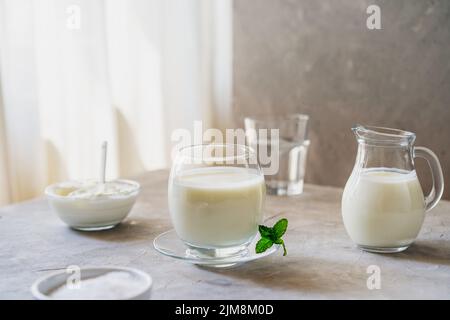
x=436 y=174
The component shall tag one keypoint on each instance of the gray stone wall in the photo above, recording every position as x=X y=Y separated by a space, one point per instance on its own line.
x=319 y=58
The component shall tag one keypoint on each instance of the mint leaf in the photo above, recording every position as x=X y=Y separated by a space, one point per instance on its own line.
x=279 y=228
x=269 y=236
x=263 y=244
x=266 y=232
x=280 y=241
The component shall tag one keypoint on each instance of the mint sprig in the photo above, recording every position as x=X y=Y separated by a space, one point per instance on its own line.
x=269 y=236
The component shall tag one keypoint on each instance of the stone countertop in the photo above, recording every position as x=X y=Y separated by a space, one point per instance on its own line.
x=322 y=263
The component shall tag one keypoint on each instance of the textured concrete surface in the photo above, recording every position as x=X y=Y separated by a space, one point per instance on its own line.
x=322 y=261
x=318 y=57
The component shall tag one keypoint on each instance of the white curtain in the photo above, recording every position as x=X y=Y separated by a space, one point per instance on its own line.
x=76 y=72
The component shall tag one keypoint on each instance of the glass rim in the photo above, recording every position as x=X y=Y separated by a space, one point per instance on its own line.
x=275 y=117
x=382 y=134
x=247 y=152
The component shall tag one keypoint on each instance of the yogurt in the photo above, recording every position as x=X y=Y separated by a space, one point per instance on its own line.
x=90 y=205
x=95 y=190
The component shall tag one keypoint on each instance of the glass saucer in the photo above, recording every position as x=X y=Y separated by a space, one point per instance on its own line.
x=170 y=245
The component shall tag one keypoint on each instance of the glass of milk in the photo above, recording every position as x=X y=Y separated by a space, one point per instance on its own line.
x=383 y=205
x=216 y=198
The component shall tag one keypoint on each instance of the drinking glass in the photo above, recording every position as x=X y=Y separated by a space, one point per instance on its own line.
x=216 y=197
x=286 y=150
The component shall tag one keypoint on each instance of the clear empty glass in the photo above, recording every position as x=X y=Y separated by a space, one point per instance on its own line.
x=282 y=154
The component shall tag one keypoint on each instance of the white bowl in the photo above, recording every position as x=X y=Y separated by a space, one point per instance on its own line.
x=91 y=214
x=42 y=288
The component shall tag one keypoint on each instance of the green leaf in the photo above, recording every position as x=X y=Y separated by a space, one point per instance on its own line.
x=280 y=241
x=266 y=232
x=269 y=236
x=279 y=228
x=263 y=244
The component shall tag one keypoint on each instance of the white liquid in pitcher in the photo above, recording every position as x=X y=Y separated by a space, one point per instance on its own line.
x=217 y=207
x=383 y=208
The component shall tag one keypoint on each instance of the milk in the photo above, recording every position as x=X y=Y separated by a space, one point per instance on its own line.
x=383 y=208
x=217 y=207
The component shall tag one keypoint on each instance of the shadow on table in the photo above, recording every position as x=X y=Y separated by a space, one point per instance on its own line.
x=130 y=230
x=297 y=274
x=433 y=252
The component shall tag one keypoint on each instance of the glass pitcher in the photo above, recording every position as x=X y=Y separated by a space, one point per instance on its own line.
x=383 y=205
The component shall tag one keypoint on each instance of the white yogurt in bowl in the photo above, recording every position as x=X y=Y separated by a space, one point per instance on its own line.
x=92 y=206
